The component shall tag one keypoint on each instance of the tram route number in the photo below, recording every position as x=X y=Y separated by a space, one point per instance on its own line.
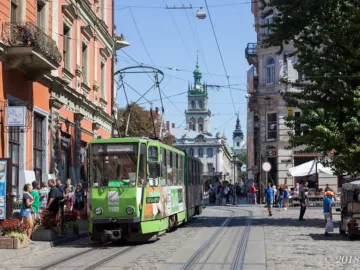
x=114 y=209
x=152 y=199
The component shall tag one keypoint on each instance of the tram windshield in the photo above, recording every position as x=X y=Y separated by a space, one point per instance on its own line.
x=114 y=165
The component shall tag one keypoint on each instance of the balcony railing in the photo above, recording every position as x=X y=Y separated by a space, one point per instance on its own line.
x=250 y=53
x=27 y=34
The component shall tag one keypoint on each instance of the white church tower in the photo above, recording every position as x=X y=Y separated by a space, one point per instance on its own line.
x=238 y=137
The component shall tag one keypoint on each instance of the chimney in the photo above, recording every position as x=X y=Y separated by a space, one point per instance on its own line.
x=173 y=125
x=168 y=125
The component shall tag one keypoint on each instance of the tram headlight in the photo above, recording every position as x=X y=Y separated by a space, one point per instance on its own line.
x=130 y=210
x=98 y=211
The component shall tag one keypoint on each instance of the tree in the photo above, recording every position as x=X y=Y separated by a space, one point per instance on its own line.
x=242 y=157
x=325 y=36
x=141 y=123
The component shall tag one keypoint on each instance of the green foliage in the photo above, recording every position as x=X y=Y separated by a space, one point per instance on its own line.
x=242 y=157
x=326 y=37
x=21 y=236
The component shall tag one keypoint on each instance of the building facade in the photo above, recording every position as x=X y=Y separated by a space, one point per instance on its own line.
x=56 y=85
x=267 y=133
x=197 y=140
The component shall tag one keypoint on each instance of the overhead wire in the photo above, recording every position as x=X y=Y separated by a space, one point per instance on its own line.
x=222 y=59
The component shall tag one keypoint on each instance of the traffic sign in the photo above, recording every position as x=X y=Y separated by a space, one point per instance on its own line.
x=266 y=166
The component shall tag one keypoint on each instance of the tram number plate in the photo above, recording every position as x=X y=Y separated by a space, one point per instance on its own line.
x=152 y=199
x=113 y=209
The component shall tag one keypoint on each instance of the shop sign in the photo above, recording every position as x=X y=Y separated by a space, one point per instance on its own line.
x=270 y=147
x=65 y=140
x=286 y=161
x=270 y=153
x=15 y=116
x=3 y=178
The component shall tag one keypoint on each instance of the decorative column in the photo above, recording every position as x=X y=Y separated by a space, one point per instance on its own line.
x=55 y=127
x=77 y=119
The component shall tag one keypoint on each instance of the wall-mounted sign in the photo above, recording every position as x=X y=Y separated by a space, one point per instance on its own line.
x=286 y=161
x=270 y=147
x=250 y=124
x=290 y=112
x=3 y=178
x=15 y=116
x=270 y=153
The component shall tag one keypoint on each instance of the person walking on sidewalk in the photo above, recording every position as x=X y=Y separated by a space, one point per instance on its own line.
x=27 y=210
x=302 y=199
x=286 y=197
x=327 y=209
x=269 y=192
x=36 y=204
x=280 y=197
x=253 y=191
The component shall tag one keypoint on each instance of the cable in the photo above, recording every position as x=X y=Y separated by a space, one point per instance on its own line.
x=177 y=28
x=224 y=123
x=142 y=41
x=222 y=60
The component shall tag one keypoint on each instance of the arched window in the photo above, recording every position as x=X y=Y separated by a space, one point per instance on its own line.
x=237 y=144
x=200 y=124
x=192 y=104
x=191 y=152
x=201 y=152
x=201 y=104
x=270 y=71
x=192 y=124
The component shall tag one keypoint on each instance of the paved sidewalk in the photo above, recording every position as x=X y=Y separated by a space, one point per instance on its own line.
x=294 y=244
x=8 y=254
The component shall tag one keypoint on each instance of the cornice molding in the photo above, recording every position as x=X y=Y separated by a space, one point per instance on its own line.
x=70 y=11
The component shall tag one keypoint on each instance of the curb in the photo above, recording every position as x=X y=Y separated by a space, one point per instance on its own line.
x=16 y=253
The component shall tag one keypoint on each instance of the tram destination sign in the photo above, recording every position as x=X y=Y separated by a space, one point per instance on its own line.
x=112 y=148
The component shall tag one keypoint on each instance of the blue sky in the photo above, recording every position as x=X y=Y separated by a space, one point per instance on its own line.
x=233 y=25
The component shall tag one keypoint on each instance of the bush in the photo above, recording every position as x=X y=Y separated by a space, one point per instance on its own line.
x=21 y=236
x=13 y=225
x=48 y=220
x=70 y=216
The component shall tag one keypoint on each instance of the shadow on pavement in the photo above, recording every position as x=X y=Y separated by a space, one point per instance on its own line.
x=335 y=236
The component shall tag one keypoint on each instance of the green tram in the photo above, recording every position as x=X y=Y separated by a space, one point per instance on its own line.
x=140 y=188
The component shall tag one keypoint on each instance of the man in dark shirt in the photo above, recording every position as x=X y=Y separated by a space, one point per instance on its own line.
x=60 y=186
x=53 y=198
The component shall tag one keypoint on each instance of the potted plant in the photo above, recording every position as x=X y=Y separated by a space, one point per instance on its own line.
x=13 y=234
x=48 y=228
x=71 y=222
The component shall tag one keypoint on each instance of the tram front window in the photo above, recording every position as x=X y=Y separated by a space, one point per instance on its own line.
x=114 y=165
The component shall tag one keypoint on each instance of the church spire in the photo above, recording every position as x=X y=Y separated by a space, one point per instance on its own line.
x=197 y=72
x=238 y=132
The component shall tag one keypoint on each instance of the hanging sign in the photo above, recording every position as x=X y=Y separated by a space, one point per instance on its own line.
x=3 y=178
x=290 y=112
x=15 y=116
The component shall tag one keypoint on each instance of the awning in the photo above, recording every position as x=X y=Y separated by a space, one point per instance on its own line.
x=309 y=168
x=352 y=185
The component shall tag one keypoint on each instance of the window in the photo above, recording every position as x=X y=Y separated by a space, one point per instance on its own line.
x=169 y=168
x=191 y=152
x=193 y=124
x=14 y=154
x=270 y=71
x=41 y=17
x=85 y=63
x=210 y=152
x=174 y=170
x=163 y=167
x=201 y=104
x=103 y=78
x=142 y=166
x=272 y=126
x=201 y=152
x=201 y=128
x=237 y=144
x=38 y=146
x=269 y=20
x=14 y=11
x=66 y=47
x=192 y=104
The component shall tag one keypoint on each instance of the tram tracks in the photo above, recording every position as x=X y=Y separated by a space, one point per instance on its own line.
x=92 y=266
x=238 y=260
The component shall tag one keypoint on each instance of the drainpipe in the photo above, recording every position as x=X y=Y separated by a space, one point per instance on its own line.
x=112 y=68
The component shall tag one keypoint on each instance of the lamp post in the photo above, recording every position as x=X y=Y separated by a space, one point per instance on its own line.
x=234 y=177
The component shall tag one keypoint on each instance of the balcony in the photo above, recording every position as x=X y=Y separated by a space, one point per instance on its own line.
x=251 y=54
x=29 y=49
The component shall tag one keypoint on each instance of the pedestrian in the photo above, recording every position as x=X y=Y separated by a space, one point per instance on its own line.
x=60 y=186
x=286 y=197
x=227 y=194
x=327 y=188
x=238 y=192
x=36 y=204
x=328 y=211
x=269 y=192
x=80 y=196
x=302 y=199
x=44 y=192
x=69 y=194
x=253 y=191
x=27 y=210
x=275 y=195
x=280 y=197
x=219 y=193
x=53 y=198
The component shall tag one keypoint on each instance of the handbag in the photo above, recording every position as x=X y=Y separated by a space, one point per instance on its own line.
x=329 y=226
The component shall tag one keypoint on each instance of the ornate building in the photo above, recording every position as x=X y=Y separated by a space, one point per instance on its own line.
x=238 y=138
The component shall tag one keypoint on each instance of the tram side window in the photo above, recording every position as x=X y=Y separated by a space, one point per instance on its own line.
x=153 y=167
x=191 y=173
x=163 y=167
x=142 y=166
x=181 y=170
x=169 y=168
x=196 y=173
x=175 y=169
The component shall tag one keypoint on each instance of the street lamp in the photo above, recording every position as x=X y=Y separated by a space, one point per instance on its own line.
x=234 y=177
x=201 y=14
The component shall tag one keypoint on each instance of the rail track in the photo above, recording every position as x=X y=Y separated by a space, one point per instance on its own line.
x=241 y=246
